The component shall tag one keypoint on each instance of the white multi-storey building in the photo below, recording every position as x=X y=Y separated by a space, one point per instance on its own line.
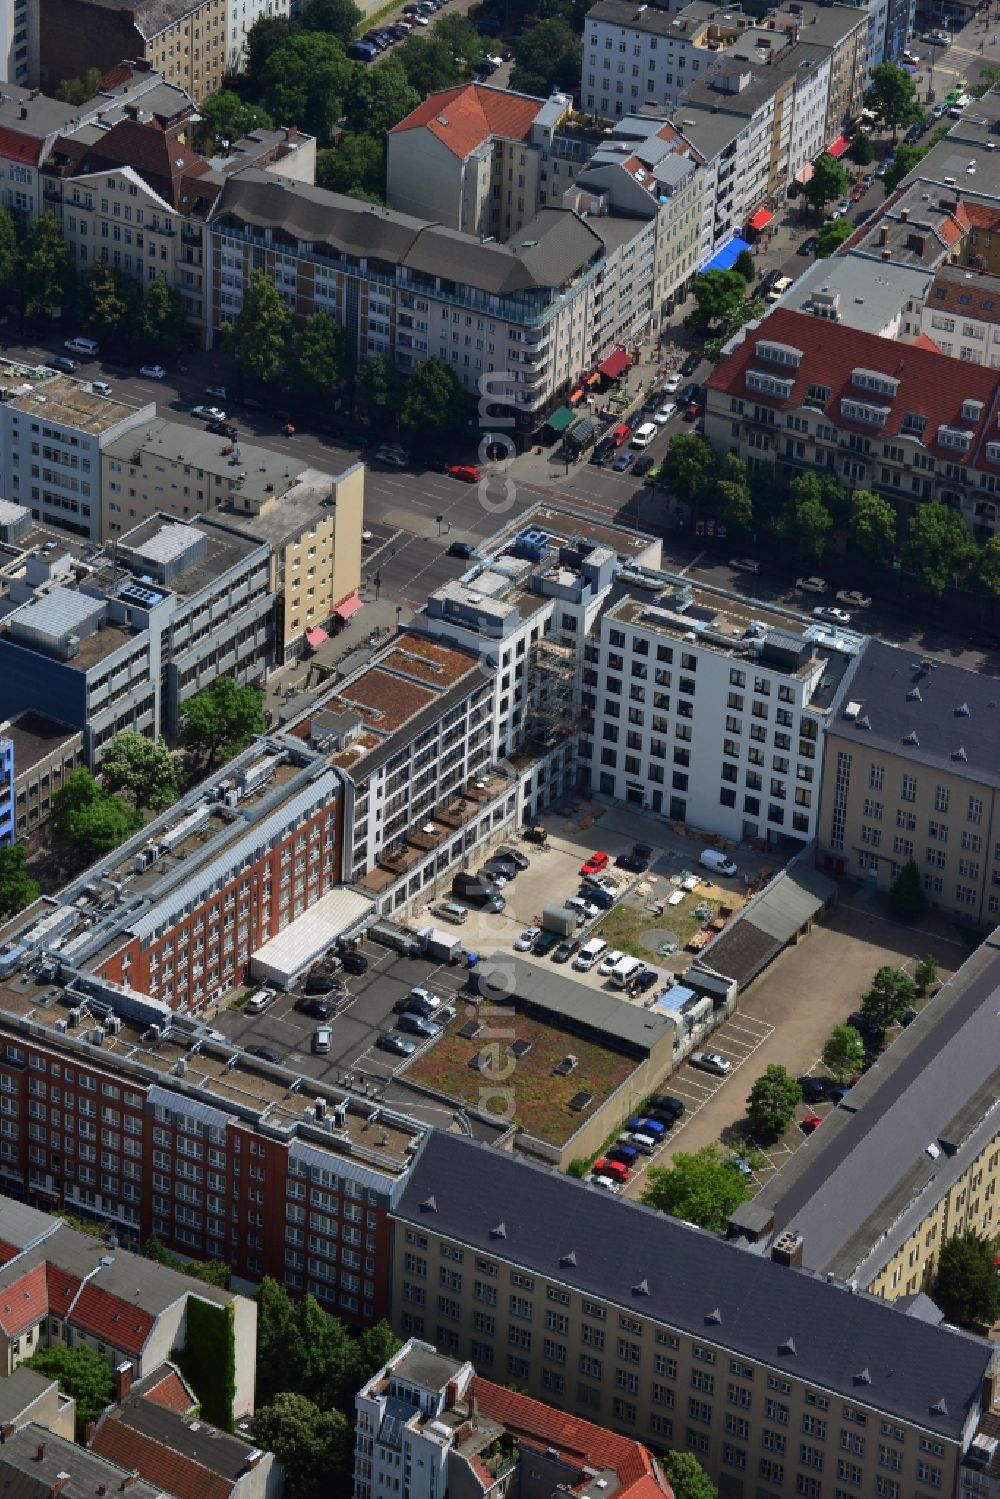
x=709 y=710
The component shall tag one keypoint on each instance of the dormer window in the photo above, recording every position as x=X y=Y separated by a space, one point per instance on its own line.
x=864 y=411
x=775 y=353
x=972 y=410
x=954 y=437
x=874 y=380
x=765 y=384
x=914 y=425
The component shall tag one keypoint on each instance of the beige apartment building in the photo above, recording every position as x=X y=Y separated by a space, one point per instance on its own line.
x=312 y=521
x=910 y=771
x=185 y=40
x=781 y=1383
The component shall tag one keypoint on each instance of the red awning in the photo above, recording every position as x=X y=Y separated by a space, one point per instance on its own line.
x=593 y=379
x=761 y=219
x=316 y=636
x=616 y=364
x=348 y=607
x=838 y=147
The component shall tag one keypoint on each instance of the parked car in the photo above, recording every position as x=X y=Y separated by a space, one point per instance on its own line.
x=417 y=1025
x=673 y=384
x=466 y=472
x=623 y=461
x=744 y=565
x=597 y=862
x=643 y=981
x=853 y=598
x=632 y=863
x=322 y=1040
x=666 y=1102
x=392 y=1041
x=867 y=1027
x=422 y=1001
x=809 y=1123
x=601 y=451
x=832 y=615
x=642 y=465
x=711 y=1061
x=323 y=983
x=152 y=372
x=262 y=1053
x=62 y=363
x=463 y=549
x=663 y=415
x=506 y=868
x=512 y=856
x=809 y=245
x=393 y=457
x=259 y=1002
x=449 y=911
x=812 y=585
x=354 y=962
x=586 y=909
x=691 y=392
x=690 y=364
x=545 y=943
x=814 y=1089
x=617 y=1170
x=565 y=950
x=526 y=941
x=223 y=429
x=316 y=1009
x=219 y=391
x=209 y=413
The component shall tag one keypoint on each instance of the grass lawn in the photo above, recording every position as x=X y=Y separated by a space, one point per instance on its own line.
x=528 y=1092
x=623 y=925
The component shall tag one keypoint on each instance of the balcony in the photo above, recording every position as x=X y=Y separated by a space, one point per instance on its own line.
x=191 y=237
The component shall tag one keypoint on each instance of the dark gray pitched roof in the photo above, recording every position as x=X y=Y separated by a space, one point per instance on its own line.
x=948 y=709
x=697 y=1283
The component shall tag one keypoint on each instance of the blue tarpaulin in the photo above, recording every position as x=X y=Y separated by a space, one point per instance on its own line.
x=725 y=259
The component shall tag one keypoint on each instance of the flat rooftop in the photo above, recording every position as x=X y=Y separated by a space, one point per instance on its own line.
x=565 y=526
x=34 y=736
x=72 y=403
x=267 y=473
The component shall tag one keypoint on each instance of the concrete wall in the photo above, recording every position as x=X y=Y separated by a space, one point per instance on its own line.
x=423 y=177
x=245 y=1329
x=349 y=519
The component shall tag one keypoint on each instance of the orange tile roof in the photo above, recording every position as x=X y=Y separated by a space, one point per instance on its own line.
x=17 y=147
x=176 y=1473
x=167 y=1388
x=24 y=1302
x=923 y=341
x=577 y=1440
x=111 y=1319
x=463 y=118
x=63 y=1288
x=978 y=216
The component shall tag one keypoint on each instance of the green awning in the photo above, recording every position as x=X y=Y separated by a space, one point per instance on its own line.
x=560 y=420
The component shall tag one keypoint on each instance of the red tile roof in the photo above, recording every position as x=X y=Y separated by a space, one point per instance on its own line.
x=167 y=1388
x=979 y=216
x=159 y=1464
x=931 y=384
x=8 y=1251
x=63 y=1288
x=463 y=118
x=923 y=341
x=14 y=146
x=966 y=294
x=24 y=1302
x=112 y=1320
x=166 y=166
x=577 y=1440
x=121 y=73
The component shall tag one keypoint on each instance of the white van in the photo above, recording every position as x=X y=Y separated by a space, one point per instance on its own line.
x=89 y=348
x=590 y=953
x=643 y=436
x=100 y=387
x=623 y=971
x=717 y=862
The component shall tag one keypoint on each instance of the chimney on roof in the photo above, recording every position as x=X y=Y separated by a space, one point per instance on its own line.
x=904 y=215
x=123 y=1381
x=451 y=1393
x=253 y=1459
x=886 y=255
x=88 y=1432
x=291 y=131
x=24 y=111
x=129 y=1481
x=40 y=1453
x=948 y=205
x=883 y=235
x=7 y=1430
x=58 y=1484
x=787 y=1249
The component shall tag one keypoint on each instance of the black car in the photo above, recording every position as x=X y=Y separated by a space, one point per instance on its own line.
x=690 y=364
x=770 y=280
x=62 y=363
x=354 y=962
x=690 y=392
x=633 y=419
x=317 y=1009
x=322 y=983
x=602 y=451
x=642 y=465
x=808 y=246
x=505 y=868
x=645 y=980
x=463 y=549
x=262 y=1053
x=666 y=1103
x=660 y=1116
x=813 y=1089
x=632 y=863
x=508 y=855
x=223 y=429
x=565 y=950
x=867 y=1027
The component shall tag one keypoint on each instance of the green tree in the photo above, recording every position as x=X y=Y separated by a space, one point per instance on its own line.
x=828 y=181
x=468 y=46
x=45 y=271
x=258 y=337
x=304 y=83
x=83 y=1374
x=906 y=159
x=17 y=888
x=221 y=719
x=831 y=236
x=265 y=36
x=987 y=569
x=275 y=1324
x=939 y=548
x=967 y=1288
x=844 y=1052
x=687 y=1477
x=805 y=521
x=862 y=150
x=873 y=528
x=163 y=320
x=80 y=90
x=731 y=492
x=380 y=386
x=719 y=295
x=9 y=250
x=226 y=118
x=111 y=302
x=893 y=97
x=355 y=167
x=148 y=772
x=210 y=1272
x=314 y=1447
x=772 y=1100
x=340 y=18
x=700 y=1188
x=548 y=56
x=378 y=98
x=87 y=820
x=744 y=265
x=434 y=402
x=319 y=357
x=926 y=972
x=429 y=64
x=891 y=994
x=688 y=469
x=906 y=893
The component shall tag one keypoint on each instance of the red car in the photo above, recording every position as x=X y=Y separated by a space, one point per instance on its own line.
x=692 y=412
x=467 y=472
x=621 y=434
x=617 y=1170
x=595 y=863
x=809 y=1123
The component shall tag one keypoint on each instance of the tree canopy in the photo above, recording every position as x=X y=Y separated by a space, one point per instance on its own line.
x=147 y=771
x=719 y=295
x=434 y=402
x=844 y=1052
x=939 y=547
x=320 y=359
x=46 y=272
x=314 y=1447
x=304 y=82
x=17 y=888
x=700 y=1188
x=83 y=1374
x=862 y=150
x=873 y=528
x=831 y=236
x=967 y=1288
x=772 y=1100
x=80 y=90
x=378 y=98
x=340 y=18
x=828 y=181
x=905 y=160
x=226 y=118
x=258 y=336
x=548 y=55
x=906 y=893
x=805 y=522
x=380 y=386
x=303 y=1350
x=221 y=719
x=88 y=820
x=429 y=64
x=890 y=995
x=893 y=97
x=355 y=167
x=687 y=1477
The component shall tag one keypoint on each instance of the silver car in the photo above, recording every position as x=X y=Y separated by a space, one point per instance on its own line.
x=711 y=1061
